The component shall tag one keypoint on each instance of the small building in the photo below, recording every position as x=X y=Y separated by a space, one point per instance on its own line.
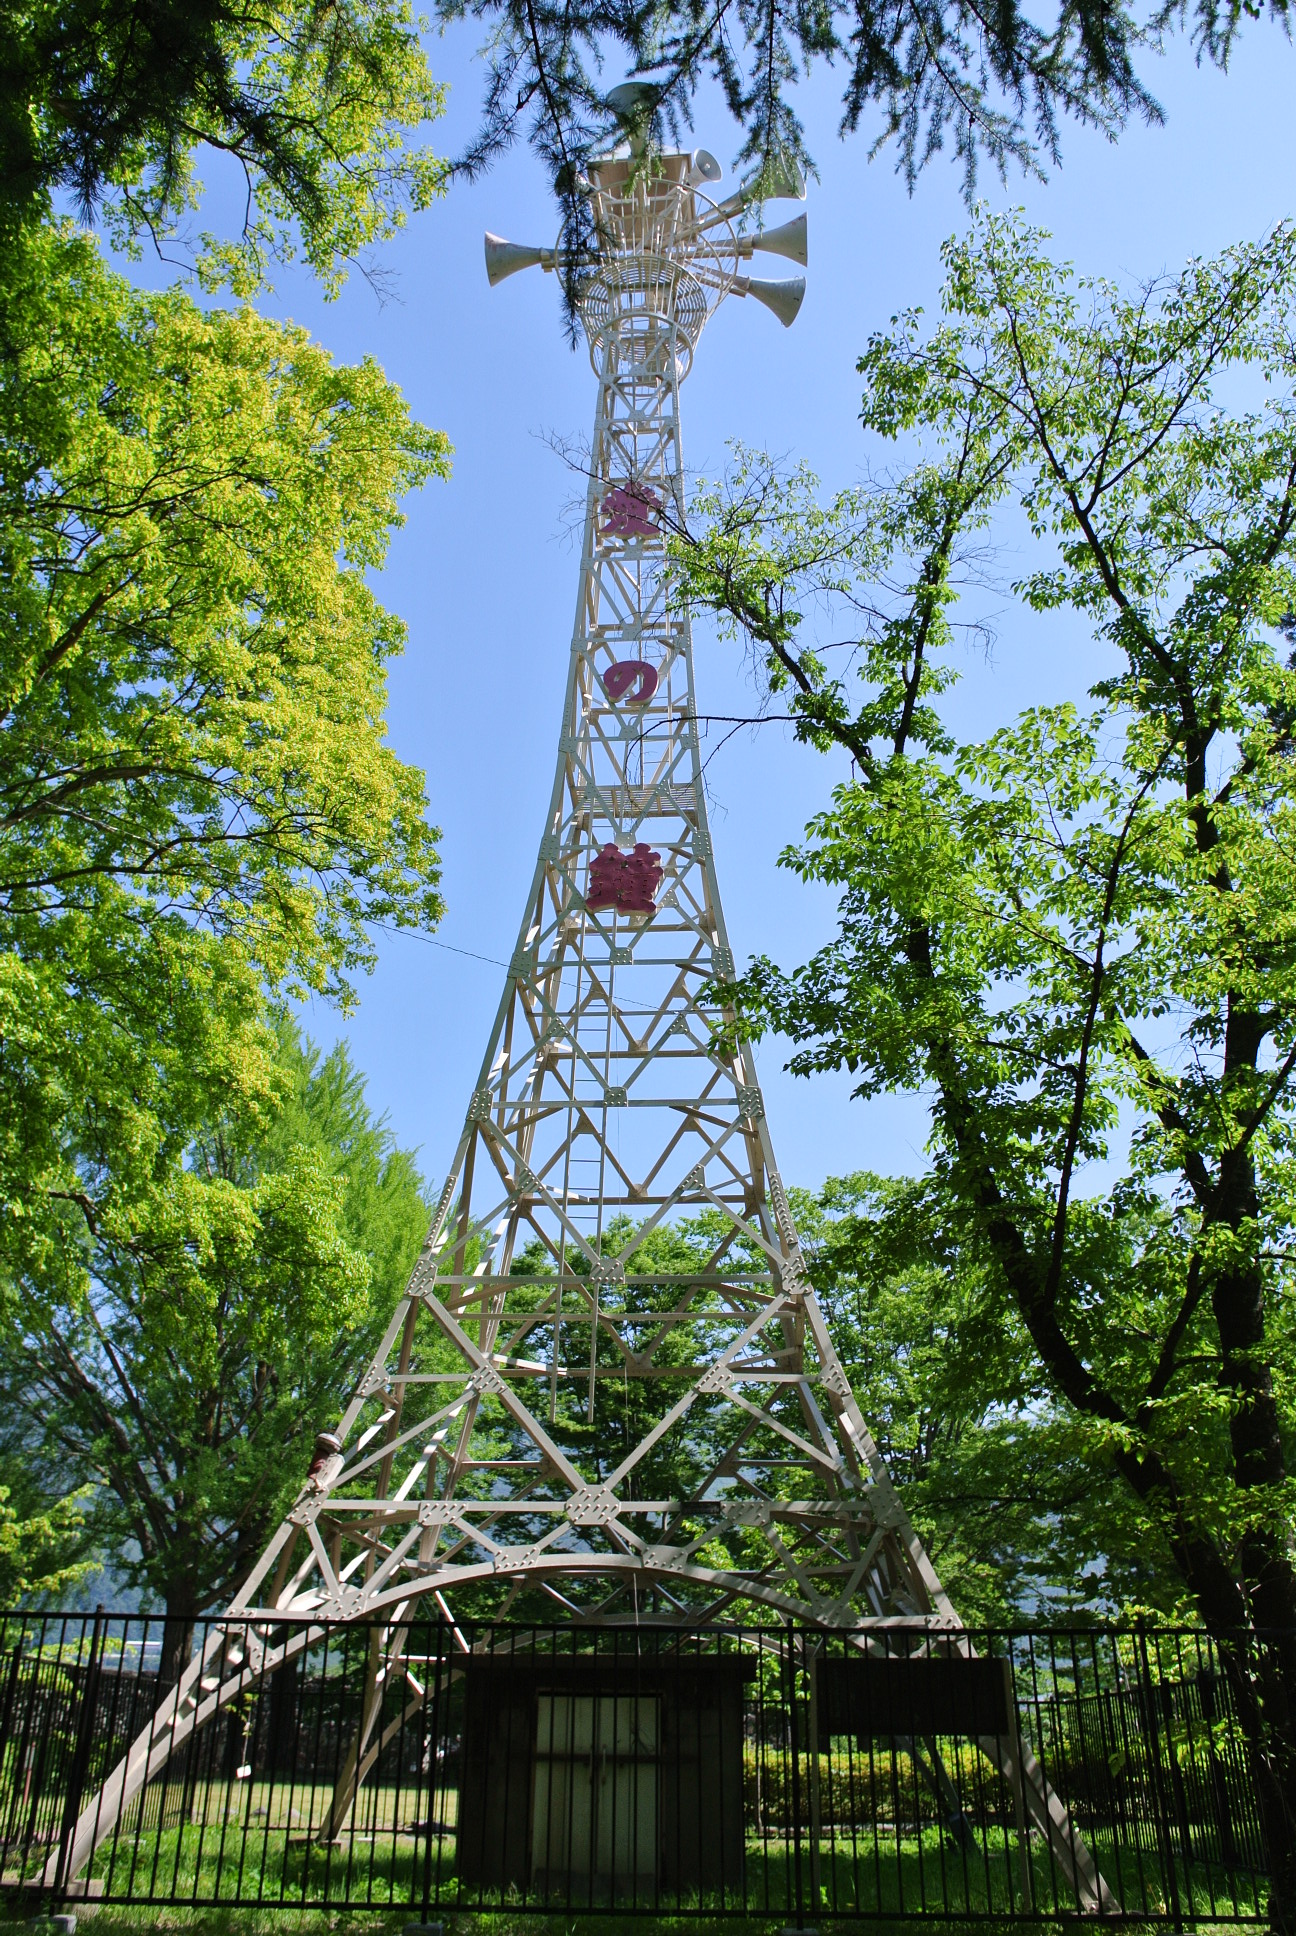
x=600 y=1777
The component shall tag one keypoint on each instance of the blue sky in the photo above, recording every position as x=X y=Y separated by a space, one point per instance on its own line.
x=484 y=572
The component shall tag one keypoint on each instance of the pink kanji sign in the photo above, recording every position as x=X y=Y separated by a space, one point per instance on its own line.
x=629 y=511
x=627 y=881
x=627 y=673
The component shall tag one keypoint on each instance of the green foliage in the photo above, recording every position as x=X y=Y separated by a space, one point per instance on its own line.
x=113 y=101
x=42 y=1548
x=625 y=1410
x=322 y=1108
x=689 y=1264
x=1076 y=933
x=197 y=797
x=994 y=1472
x=230 y=1310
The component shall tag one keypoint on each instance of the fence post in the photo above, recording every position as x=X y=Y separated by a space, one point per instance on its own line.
x=432 y=1734
x=798 y=1891
x=80 y=1757
x=813 y=1649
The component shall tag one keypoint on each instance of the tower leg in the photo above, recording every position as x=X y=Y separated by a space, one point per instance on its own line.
x=1047 y=1813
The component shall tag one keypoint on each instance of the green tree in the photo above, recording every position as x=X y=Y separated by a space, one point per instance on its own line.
x=1076 y=934
x=994 y=1470
x=113 y=101
x=197 y=799
x=44 y=1547
x=599 y=1429
x=322 y=1108
x=230 y=1310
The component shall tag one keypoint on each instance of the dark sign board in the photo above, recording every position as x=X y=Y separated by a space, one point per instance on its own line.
x=871 y=1695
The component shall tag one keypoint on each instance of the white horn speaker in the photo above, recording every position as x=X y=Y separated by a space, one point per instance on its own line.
x=705 y=168
x=784 y=298
x=785 y=182
x=778 y=181
x=789 y=239
x=506 y=258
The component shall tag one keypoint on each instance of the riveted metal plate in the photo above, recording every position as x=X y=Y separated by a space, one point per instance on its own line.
x=665 y=1559
x=519 y=1559
x=834 y=1379
x=593 y=1506
x=436 y=1512
x=792 y=1271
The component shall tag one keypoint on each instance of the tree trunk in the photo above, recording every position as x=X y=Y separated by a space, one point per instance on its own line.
x=177 y=1639
x=177 y=1647
x=1260 y=1670
x=283 y=1718
x=1268 y=1570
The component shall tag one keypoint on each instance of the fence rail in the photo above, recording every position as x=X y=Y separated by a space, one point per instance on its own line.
x=757 y=1771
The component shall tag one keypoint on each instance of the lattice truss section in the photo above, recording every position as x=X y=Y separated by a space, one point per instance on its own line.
x=609 y=1383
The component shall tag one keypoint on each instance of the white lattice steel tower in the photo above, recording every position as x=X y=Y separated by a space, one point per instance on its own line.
x=575 y=1412
x=495 y=1449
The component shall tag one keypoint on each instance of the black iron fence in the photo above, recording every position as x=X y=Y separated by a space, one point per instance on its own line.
x=760 y=1771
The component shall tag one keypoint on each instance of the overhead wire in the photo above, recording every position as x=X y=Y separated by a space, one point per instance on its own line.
x=416 y=934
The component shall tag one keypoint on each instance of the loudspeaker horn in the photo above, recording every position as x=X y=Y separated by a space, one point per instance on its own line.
x=506 y=258
x=779 y=180
x=788 y=239
x=705 y=168
x=784 y=298
x=634 y=104
x=632 y=100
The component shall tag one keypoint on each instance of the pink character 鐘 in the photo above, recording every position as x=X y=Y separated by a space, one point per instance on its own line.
x=624 y=881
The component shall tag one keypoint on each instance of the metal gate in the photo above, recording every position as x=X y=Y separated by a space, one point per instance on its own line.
x=594 y=1826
